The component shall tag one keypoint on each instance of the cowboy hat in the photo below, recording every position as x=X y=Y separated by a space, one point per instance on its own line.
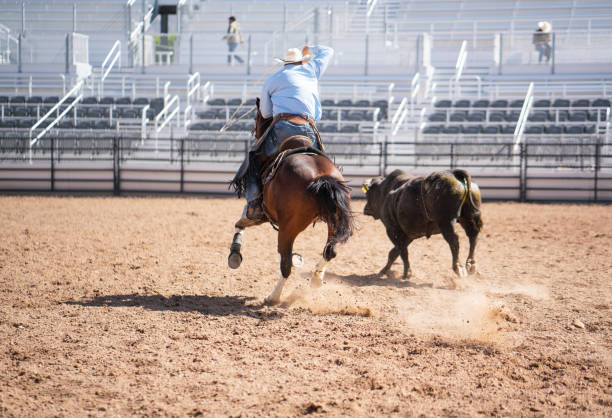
x=545 y=26
x=293 y=56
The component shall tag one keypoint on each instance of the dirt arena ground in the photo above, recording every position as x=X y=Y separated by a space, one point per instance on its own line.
x=125 y=306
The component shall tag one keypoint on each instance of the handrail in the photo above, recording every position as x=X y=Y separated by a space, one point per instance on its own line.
x=461 y=60
x=415 y=87
x=143 y=123
x=170 y=110
x=370 y=7
x=193 y=87
x=399 y=110
x=75 y=89
x=116 y=49
x=207 y=91
x=520 y=124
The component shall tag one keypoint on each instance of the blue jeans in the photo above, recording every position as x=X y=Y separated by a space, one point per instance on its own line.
x=544 y=50
x=281 y=130
x=231 y=46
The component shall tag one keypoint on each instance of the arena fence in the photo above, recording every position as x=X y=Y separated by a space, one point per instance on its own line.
x=579 y=170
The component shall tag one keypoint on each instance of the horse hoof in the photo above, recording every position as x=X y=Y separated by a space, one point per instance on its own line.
x=270 y=301
x=471 y=268
x=297 y=260
x=234 y=260
x=460 y=271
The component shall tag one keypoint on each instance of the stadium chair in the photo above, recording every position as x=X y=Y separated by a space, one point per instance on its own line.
x=592 y=116
x=345 y=102
x=500 y=103
x=208 y=114
x=250 y=102
x=141 y=101
x=574 y=129
x=21 y=111
x=362 y=103
x=489 y=129
x=200 y=126
x=470 y=130
x=533 y=130
x=123 y=101
x=328 y=127
x=96 y=112
x=65 y=124
x=327 y=102
x=18 y=99
x=90 y=100
x=481 y=103
x=102 y=124
x=25 y=123
x=219 y=101
x=590 y=129
x=461 y=103
x=108 y=100
x=578 y=116
x=512 y=116
x=432 y=129
x=157 y=103
x=355 y=115
x=8 y=123
x=34 y=99
x=538 y=116
x=561 y=103
x=85 y=124
x=600 y=103
x=352 y=128
x=541 y=103
x=580 y=103
x=437 y=117
x=129 y=113
x=234 y=102
x=508 y=129
x=4 y=99
x=496 y=116
x=443 y=103
x=451 y=130
x=553 y=129
x=458 y=116
x=517 y=103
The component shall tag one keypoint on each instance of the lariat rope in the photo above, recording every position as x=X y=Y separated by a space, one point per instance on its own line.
x=232 y=121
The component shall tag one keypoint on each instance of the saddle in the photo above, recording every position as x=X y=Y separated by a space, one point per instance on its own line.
x=297 y=144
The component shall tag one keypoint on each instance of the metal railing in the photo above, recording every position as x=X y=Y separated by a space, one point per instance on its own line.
x=113 y=57
x=580 y=171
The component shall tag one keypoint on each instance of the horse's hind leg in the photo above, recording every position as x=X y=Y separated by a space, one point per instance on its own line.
x=329 y=252
x=285 y=247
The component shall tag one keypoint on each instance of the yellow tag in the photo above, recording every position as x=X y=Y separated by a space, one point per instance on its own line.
x=364 y=189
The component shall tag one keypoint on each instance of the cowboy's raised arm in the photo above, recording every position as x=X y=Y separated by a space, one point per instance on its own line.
x=321 y=56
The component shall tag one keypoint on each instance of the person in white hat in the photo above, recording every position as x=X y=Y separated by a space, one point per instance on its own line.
x=290 y=97
x=542 y=39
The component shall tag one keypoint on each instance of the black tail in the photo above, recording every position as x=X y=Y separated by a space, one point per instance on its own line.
x=333 y=196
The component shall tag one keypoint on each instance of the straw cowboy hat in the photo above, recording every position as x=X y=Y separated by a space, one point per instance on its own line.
x=293 y=56
x=545 y=26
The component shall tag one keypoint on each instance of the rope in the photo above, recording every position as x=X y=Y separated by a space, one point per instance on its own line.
x=231 y=121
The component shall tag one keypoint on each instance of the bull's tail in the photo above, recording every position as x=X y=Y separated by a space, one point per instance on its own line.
x=465 y=178
x=333 y=197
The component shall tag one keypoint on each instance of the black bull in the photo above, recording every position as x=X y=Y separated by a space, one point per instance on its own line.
x=412 y=207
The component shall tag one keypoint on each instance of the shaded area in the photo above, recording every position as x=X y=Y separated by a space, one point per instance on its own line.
x=375 y=280
x=206 y=305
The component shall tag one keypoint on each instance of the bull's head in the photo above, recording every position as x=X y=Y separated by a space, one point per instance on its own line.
x=374 y=199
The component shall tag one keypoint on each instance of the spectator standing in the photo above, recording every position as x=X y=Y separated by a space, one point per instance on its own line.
x=233 y=38
x=542 y=39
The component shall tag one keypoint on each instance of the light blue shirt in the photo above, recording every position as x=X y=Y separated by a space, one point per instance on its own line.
x=295 y=88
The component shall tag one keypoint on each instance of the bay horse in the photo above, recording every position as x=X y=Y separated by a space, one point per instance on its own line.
x=300 y=187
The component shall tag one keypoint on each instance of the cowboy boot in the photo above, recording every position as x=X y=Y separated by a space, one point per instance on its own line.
x=254 y=210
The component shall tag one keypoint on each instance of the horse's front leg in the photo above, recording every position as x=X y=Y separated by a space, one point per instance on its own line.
x=285 y=248
x=235 y=258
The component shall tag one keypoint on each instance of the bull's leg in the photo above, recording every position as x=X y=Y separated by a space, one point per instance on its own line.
x=471 y=230
x=448 y=232
x=393 y=254
x=404 y=255
x=398 y=238
x=285 y=247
